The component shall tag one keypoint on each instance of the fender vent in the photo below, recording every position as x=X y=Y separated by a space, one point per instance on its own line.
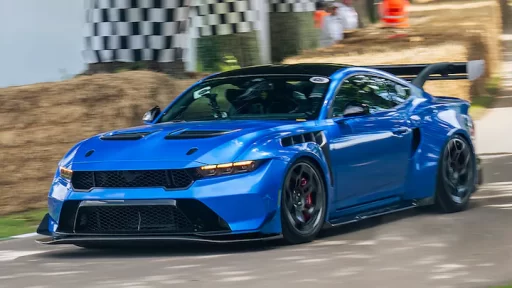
x=126 y=136
x=312 y=137
x=416 y=140
x=197 y=134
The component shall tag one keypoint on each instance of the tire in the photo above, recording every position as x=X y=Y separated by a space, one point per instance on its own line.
x=456 y=176
x=303 y=178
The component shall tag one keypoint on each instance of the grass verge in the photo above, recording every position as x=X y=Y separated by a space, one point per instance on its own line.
x=20 y=223
x=479 y=104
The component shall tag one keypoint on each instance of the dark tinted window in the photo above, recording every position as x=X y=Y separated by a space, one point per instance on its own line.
x=251 y=97
x=378 y=93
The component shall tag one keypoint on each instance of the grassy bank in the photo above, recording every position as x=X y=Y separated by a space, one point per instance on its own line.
x=20 y=223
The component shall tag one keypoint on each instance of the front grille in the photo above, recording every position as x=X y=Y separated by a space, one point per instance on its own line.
x=187 y=216
x=170 y=179
x=132 y=219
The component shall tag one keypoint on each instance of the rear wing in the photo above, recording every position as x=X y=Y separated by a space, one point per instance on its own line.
x=418 y=74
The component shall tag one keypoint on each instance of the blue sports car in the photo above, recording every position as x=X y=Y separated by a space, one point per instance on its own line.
x=271 y=151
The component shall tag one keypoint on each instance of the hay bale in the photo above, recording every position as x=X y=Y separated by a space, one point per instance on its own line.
x=41 y=122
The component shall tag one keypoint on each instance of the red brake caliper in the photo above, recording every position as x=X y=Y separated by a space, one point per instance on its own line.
x=308 y=201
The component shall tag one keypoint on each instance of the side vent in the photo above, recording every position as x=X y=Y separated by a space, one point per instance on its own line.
x=126 y=136
x=416 y=140
x=197 y=134
x=312 y=137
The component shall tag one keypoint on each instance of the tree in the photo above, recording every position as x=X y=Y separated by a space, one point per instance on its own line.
x=222 y=37
x=505 y=12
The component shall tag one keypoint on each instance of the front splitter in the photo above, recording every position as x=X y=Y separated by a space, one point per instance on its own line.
x=132 y=239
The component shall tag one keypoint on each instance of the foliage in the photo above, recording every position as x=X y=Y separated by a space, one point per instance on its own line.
x=212 y=50
x=20 y=223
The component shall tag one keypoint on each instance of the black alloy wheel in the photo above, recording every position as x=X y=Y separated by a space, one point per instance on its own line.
x=303 y=203
x=456 y=179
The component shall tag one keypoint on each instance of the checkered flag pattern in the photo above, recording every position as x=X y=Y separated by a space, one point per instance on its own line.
x=222 y=17
x=292 y=5
x=135 y=30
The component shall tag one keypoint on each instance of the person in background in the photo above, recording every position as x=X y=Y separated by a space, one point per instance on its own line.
x=332 y=28
x=349 y=15
x=320 y=13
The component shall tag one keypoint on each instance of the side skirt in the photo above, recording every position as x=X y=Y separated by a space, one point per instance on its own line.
x=382 y=210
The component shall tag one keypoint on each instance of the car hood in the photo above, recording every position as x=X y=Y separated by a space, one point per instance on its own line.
x=184 y=144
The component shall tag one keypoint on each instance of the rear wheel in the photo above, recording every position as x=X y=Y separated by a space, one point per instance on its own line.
x=303 y=203
x=456 y=176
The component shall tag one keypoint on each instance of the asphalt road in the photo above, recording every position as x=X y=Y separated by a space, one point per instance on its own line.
x=410 y=249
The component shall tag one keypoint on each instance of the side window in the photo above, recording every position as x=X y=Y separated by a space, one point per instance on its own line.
x=370 y=90
x=398 y=92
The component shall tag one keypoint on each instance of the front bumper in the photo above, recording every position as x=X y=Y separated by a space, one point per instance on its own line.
x=212 y=237
x=223 y=209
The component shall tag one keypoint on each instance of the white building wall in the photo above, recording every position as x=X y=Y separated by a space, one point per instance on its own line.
x=40 y=40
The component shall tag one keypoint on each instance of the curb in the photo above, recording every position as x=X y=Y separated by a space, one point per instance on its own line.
x=22 y=236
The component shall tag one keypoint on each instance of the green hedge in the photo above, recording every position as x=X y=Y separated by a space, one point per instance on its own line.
x=212 y=50
x=291 y=33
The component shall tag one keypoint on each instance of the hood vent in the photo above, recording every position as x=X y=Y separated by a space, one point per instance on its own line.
x=312 y=137
x=198 y=134
x=126 y=136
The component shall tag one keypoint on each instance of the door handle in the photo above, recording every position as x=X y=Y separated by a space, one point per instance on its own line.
x=401 y=130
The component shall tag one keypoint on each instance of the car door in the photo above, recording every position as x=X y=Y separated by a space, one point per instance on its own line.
x=370 y=152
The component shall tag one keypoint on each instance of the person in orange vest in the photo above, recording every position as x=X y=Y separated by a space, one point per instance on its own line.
x=320 y=13
x=394 y=13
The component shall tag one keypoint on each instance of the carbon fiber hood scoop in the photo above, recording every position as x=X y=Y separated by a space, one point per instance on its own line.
x=197 y=134
x=126 y=136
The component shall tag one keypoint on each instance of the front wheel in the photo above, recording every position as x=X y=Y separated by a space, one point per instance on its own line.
x=303 y=203
x=456 y=175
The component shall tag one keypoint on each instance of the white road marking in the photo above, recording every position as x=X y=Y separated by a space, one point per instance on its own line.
x=28 y=235
x=312 y=260
x=231 y=273
x=239 y=278
x=329 y=243
x=447 y=268
x=365 y=243
x=448 y=275
x=509 y=205
x=491 y=196
x=355 y=256
x=9 y=255
x=391 y=238
x=183 y=266
x=291 y=258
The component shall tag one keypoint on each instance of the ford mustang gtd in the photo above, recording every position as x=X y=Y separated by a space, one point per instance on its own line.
x=273 y=151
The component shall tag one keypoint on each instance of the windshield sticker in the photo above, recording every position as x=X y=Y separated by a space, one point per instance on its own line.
x=319 y=80
x=201 y=92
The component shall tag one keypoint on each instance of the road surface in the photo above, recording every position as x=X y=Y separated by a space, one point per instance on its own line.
x=411 y=249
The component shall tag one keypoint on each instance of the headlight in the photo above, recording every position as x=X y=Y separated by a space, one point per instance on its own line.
x=228 y=168
x=65 y=173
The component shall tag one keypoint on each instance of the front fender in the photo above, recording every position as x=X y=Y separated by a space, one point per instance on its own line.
x=291 y=154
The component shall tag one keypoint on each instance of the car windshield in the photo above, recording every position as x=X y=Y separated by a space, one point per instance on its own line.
x=251 y=97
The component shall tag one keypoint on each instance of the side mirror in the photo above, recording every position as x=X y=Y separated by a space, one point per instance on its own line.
x=151 y=115
x=356 y=109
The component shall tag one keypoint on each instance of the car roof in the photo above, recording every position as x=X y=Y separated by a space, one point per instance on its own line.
x=317 y=69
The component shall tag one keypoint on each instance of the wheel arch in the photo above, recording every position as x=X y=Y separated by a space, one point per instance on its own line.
x=325 y=174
